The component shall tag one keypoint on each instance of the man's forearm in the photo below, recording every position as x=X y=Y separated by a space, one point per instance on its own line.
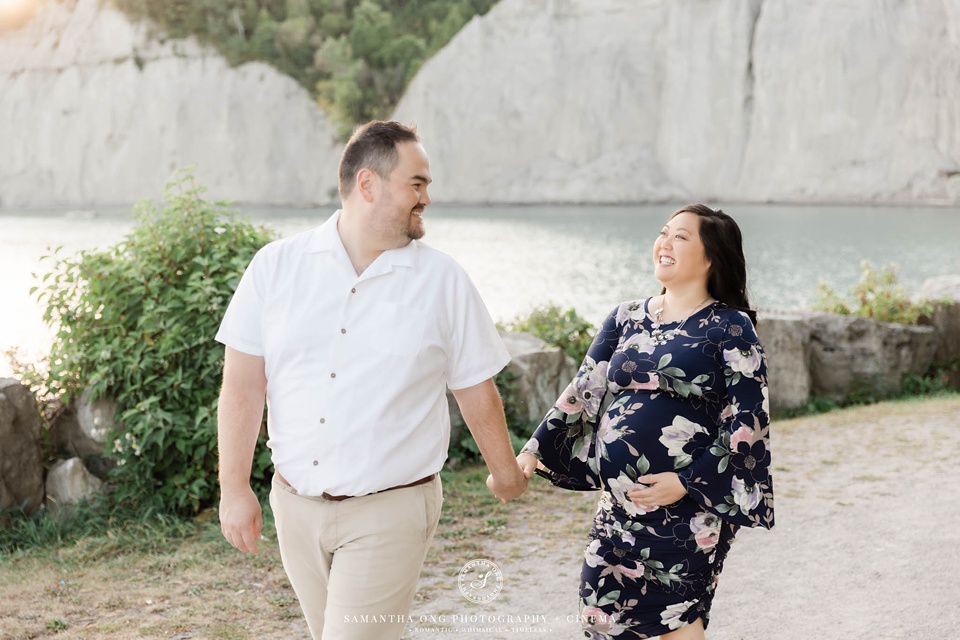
x=482 y=410
x=238 y=425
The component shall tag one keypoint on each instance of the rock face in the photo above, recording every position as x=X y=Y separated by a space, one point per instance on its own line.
x=537 y=374
x=95 y=111
x=785 y=337
x=540 y=373
x=83 y=429
x=69 y=482
x=21 y=474
x=680 y=100
x=850 y=354
x=835 y=356
x=944 y=291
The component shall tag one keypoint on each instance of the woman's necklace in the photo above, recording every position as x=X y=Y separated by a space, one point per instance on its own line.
x=662 y=337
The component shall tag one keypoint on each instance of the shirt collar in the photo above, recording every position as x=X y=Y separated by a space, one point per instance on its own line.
x=326 y=239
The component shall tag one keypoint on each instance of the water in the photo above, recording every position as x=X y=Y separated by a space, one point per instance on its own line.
x=587 y=257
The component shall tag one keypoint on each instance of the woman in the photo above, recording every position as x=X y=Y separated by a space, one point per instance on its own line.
x=669 y=416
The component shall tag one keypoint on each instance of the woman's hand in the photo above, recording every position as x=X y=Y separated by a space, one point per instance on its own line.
x=662 y=489
x=528 y=464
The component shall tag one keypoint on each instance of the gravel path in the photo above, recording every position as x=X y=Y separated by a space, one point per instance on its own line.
x=867 y=542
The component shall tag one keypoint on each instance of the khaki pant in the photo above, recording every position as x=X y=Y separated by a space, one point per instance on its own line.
x=354 y=563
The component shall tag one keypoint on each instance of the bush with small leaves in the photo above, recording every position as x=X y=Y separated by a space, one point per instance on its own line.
x=878 y=295
x=136 y=323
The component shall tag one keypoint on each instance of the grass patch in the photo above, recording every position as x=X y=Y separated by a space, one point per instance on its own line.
x=121 y=573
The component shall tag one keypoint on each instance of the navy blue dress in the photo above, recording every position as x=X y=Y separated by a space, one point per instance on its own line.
x=695 y=404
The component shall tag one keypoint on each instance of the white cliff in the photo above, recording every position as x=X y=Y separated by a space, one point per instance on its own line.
x=94 y=110
x=729 y=100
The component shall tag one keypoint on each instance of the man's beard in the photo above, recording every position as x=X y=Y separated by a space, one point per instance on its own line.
x=416 y=228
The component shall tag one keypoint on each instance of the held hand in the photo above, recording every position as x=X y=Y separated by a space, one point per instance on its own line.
x=528 y=464
x=241 y=519
x=508 y=488
x=662 y=489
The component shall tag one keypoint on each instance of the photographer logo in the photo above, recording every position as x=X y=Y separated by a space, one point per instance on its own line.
x=480 y=581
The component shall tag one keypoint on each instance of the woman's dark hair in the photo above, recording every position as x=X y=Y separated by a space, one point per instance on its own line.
x=723 y=245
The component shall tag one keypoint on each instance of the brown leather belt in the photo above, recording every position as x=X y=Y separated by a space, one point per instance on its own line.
x=327 y=496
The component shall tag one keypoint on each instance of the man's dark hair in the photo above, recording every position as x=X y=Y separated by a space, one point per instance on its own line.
x=373 y=146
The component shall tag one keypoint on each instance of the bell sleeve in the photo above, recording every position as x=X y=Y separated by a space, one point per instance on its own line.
x=565 y=441
x=732 y=477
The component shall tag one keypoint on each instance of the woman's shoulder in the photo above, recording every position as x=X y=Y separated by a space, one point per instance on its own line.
x=630 y=311
x=734 y=321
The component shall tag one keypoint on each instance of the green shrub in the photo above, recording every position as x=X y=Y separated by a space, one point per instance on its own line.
x=878 y=295
x=136 y=323
x=561 y=328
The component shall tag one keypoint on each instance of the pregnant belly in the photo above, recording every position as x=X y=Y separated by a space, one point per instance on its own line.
x=642 y=433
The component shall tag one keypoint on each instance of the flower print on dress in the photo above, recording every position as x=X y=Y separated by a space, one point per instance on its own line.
x=641 y=342
x=630 y=312
x=678 y=435
x=590 y=555
x=743 y=361
x=729 y=411
x=569 y=402
x=705 y=528
x=671 y=616
x=591 y=387
x=596 y=619
x=715 y=378
x=619 y=487
x=749 y=460
x=744 y=496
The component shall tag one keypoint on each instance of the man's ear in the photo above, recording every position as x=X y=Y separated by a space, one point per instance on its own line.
x=368 y=183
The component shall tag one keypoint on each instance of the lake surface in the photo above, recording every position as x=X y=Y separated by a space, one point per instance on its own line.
x=586 y=257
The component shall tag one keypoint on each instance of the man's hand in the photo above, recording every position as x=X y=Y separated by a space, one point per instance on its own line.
x=508 y=488
x=482 y=410
x=241 y=519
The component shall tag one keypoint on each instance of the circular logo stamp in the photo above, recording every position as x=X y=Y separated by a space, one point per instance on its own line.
x=480 y=581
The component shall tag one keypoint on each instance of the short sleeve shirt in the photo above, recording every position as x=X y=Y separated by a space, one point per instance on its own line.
x=357 y=366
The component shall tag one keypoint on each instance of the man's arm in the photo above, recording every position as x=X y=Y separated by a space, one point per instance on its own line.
x=239 y=414
x=482 y=410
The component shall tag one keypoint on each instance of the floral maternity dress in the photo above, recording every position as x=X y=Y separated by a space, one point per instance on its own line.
x=692 y=399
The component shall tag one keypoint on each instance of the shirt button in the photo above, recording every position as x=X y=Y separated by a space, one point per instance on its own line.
x=354 y=290
x=333 y=375
x=343 y=330
x=315 y=463
x=322 y=420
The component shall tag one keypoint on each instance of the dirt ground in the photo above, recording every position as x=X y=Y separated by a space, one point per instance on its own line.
x=867 y=545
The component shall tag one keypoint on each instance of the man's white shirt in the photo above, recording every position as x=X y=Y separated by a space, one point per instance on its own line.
x=357 y=366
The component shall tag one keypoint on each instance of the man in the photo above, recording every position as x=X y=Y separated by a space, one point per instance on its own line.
x=352 y=332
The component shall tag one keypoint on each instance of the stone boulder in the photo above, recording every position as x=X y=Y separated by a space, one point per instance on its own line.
x=537 y=374
x=854 y=355
x=835 y=356
x=84 y=427
x=944 y=293
x=21 y=473
x=69 y=482
x=540 y=373
x=785 y=336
